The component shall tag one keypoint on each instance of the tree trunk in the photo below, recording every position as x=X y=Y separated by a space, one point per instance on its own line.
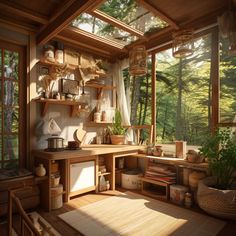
x=146 y=100
x=178 y=131
x=135 y=100
x=164 y=124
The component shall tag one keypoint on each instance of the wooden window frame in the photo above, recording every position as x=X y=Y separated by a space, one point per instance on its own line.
x=22 y=100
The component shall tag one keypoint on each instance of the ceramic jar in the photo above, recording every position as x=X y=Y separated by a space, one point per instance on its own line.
x=194 y=178
x=40 y=170
x=188 y=200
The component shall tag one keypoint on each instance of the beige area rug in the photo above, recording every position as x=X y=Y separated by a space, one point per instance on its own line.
x=134 y=214
x=35 y=214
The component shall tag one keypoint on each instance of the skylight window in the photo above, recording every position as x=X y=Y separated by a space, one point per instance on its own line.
x=132 y=14
x=98 y=27
x=119 y=21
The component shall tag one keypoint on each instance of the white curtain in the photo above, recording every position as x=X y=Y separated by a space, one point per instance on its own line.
x=123 y=101
x=120 y=89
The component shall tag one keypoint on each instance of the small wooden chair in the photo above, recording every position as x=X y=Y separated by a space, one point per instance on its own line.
x=138 y=129
x=26 y=224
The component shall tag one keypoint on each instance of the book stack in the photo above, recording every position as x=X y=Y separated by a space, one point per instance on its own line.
x=161 y=173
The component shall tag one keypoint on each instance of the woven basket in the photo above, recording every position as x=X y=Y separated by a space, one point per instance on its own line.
x=220 y=203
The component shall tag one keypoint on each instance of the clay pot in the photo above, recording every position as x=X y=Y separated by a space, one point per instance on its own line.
x=117 y=139
x=194 y=178
x=40 y=170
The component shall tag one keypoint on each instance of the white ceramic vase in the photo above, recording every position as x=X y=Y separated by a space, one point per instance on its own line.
x=40 y=170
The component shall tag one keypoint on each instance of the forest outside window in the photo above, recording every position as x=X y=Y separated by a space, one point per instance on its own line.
x=10 y=105
x=183 y=91
x=227 y=85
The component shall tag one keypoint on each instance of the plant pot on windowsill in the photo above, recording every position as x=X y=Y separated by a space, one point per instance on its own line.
x=117 y=139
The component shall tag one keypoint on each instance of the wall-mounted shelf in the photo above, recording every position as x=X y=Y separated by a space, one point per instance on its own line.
x=55 y=64
x=73 y=104
x=103 y=174
x=98 y=124
x=99 y=87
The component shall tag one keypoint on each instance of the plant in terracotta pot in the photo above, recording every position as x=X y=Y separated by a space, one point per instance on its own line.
x=216 y=194
x=117 y=131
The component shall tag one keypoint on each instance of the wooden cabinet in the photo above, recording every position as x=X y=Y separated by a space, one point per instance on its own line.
x=82 y=175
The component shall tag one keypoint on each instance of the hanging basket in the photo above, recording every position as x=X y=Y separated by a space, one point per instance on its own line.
x=183 y=43
x=138 y=61
x=227 y=27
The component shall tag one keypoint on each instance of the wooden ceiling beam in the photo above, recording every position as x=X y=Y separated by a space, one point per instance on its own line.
x=158 y=13
x=62 y=20
x=111 y=20
x=97 y=5
x=22 y=12
x=18 y=26
x=84 y=46
x=97 y=38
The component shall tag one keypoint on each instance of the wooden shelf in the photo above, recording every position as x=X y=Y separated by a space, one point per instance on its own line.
x=38 y=179
x=106 y=173
x=100 y=86
x=73 y=104
x=155 y=188
x=97 y=124
x=55 y=64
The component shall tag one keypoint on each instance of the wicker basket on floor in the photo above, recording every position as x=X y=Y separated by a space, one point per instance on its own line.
x=220 y=203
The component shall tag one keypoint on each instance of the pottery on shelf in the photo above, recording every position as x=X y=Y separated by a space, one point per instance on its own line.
x=40 y=170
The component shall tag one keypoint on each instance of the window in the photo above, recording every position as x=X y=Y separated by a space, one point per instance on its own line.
x=121 y=22
x=183 y=88
x=227 y=84
x=11 y=105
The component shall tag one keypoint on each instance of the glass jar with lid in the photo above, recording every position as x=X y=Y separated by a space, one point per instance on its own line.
x=48 y=53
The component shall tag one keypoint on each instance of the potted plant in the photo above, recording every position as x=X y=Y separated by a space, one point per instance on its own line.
x=117 y=131
x=216 y=194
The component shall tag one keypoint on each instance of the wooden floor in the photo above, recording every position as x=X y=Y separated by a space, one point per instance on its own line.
x=64 y=229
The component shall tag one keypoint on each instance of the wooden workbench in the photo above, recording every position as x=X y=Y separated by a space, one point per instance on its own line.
x=87 y=153
x=92 y=153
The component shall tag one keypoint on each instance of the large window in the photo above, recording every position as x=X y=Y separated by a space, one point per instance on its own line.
x=183 y=92
x=227 y=84
x=11 y=105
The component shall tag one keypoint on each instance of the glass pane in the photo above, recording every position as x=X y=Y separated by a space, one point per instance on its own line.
x=94 y=25
x=0 y=92
x=11 y=165
x=184 y=95
x=1 y=157
x=227 y=84
x=11 y=93
x=0 y=62
x=11 y=119
x=133 y=14
x=11 y=62
x=10 y=147
x=138 y=93
x=0 y=121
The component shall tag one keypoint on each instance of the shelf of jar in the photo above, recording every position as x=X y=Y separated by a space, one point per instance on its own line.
x=55 y=64
x=75 y=105
x=97 y=124
x=105 y=173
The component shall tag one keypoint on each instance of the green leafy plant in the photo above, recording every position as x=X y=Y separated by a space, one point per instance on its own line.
x=220 y=150
x=116 y=128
